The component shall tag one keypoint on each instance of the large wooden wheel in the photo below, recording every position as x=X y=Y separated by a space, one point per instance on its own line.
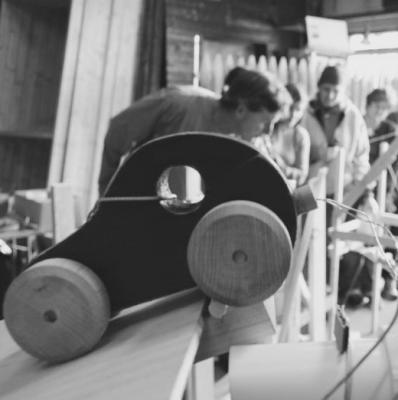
x=239 y=253
x=57 y=309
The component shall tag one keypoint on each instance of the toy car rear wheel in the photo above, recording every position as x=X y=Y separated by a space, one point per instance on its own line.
x=57 y=309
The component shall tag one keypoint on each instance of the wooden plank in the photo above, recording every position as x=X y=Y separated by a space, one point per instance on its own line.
x=376 y=297
x=389 y=218
x=63 y=211
x=147 y=353
x=366 y=239
x=241 y=325
x=82 y=130
x=377 y=168
x=66 y=91
x=98 y=73
x=317 y=263
x=119 y=73
x=128 y=50
x=201 y=382
x=292 y=280
x=337 y=219
x=377 y=280
x=348 y=226
x=382 y=183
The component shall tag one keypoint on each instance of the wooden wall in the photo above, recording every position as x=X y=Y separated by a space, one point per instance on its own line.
x=249 y=22
x=336 y=8
x=32 y=41
x=24 y=162
x=231 y=20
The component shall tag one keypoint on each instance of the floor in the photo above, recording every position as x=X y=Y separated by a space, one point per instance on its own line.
x=360 y=319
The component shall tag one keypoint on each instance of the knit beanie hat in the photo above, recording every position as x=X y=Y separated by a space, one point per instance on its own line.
x=331 y=75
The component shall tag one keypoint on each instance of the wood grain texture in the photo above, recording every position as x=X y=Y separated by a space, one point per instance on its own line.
x=63 y=211
x=224 y=20
x=24 y=162
x=147 y=353
x=57 y=310
x=97 y=82
x=66 y=93
x=239 y=253
x=241 y=325
x=31 y=53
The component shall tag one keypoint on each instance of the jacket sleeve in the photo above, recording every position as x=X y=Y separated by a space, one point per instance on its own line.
x=361 y=160
x=302 y=161
x=131 y=127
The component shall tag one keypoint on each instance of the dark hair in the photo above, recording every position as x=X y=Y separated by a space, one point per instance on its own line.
x=294 y=92
x=376 y=96
x=256 y=90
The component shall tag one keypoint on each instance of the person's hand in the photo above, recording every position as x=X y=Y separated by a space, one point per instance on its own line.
x=332 y=153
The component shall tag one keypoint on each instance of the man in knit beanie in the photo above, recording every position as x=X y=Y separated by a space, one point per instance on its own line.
x=334 y=121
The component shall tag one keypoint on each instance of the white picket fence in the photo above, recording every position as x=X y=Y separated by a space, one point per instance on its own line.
x=364 y=72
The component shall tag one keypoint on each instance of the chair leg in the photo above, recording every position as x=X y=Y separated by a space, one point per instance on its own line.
x=376 y=295
x=334 y=283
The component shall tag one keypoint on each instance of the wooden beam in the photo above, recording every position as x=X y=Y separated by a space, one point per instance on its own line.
x=348 y=226
x=97 y=83
x=292 y=282
x=317 y=263
x=377 y=168
x=66 y=92
x=389 y=218
x=361 y=237
x=63 y=211
x=240 y=325
x=336 y=220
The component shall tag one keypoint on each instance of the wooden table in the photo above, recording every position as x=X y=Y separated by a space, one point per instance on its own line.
x=147 y=353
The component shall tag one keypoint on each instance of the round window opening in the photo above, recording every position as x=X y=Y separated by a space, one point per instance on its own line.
x=181 y=189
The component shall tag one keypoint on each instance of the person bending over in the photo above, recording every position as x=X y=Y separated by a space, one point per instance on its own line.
x=249 y=104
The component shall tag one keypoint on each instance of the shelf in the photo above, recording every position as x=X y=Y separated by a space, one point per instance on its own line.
x=29 y=134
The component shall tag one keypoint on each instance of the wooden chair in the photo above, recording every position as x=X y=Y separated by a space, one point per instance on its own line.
x=342 y=231
x=311 y=243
